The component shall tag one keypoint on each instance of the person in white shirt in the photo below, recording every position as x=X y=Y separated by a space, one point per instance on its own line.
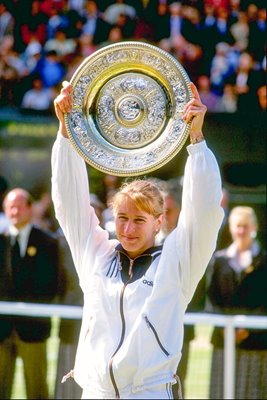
x=135 y=293
x=38 y=98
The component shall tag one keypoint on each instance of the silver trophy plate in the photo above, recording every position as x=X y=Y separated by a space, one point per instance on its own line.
x=128 y=101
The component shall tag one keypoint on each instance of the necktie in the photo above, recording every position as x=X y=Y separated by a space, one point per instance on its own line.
x=15 y=253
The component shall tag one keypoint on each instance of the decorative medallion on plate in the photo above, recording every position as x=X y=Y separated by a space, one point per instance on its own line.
x=128 y=101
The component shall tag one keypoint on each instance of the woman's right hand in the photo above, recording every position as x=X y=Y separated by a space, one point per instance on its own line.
x=63 y=104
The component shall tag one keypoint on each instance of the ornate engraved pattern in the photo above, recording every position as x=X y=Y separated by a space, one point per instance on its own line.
x=131 y=110
x=127 y=105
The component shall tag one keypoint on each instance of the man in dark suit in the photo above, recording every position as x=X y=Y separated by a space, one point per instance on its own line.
x=29 y=272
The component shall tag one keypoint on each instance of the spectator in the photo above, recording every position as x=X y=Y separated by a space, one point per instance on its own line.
x=91 y=15
x=127 y=26
x=61 y=44
x=235 y=8
x=57 y=20
x=187 y=44
x=246 y=80
x=172 y=190
x=86 y=47
x=42 y=212
x=7 y=23
x=210 y=99
x=94 y=24
x=213 y=34
x=66 y=18
x=157 y=14
x=112 y=12
x=240 y=31
x=38 y=99
x=176 y=20
x=50 y=69
x=228 y=101
x=208 y=18
x=176 y=38
x=222 y=27
x=257 y=35
x=32 y=55
x=219 y=68
x=237 y=284
x=29 y=269
x=34 y=24
x=98 y=207
x=12 y=72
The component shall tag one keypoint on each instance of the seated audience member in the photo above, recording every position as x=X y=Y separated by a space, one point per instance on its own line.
x=210 y=99
x=50 y=68
x=61 y=44
x=7 y=23
x=39 y=98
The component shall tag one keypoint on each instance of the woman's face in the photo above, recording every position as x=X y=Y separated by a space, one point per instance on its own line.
x=242 y=229
x=136 y=229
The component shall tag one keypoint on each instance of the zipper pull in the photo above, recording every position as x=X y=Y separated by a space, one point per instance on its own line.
x=147 y=321
x=130 y=273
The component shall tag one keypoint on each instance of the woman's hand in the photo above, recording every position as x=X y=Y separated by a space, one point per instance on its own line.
x=194 y=112
x=63 y=104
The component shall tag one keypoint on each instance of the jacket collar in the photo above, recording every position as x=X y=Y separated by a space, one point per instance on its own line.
x=139 y=265
x=152 y=251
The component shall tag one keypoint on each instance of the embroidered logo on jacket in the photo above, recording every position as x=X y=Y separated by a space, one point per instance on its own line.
x=146 y=282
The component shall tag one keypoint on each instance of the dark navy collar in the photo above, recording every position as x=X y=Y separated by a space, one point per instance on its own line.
x=140 y=264
x=151 y=251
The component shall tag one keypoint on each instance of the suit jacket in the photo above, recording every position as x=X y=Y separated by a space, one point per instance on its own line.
x=230 y=292
x=34 y=278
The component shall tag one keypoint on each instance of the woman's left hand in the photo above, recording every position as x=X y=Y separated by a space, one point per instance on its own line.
x=194 y=112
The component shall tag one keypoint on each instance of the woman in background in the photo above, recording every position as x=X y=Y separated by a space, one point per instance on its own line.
x=237 y=278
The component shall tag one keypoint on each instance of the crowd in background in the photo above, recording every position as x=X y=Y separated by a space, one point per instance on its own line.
x=220 y=43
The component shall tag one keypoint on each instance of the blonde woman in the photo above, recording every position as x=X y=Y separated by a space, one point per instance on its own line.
x=135 y=293
x=238 y=285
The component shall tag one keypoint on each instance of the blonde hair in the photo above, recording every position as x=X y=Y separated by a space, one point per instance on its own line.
x=145 y=194
x=244 y=212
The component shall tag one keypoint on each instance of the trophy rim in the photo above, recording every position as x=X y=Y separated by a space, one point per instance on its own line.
x=91 y=136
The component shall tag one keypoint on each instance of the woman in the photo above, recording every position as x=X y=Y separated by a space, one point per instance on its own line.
x=238 y=285
x=135 y=293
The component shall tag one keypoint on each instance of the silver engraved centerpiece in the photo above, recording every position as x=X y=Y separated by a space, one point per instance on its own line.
x=128 y=101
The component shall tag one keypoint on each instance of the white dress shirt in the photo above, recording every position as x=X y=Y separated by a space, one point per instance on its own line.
x=23 y=237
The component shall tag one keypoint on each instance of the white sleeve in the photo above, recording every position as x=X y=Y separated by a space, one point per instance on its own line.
x=70 y=195
x=201 y=215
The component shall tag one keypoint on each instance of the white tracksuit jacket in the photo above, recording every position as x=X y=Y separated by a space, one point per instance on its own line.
x=132 y=334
